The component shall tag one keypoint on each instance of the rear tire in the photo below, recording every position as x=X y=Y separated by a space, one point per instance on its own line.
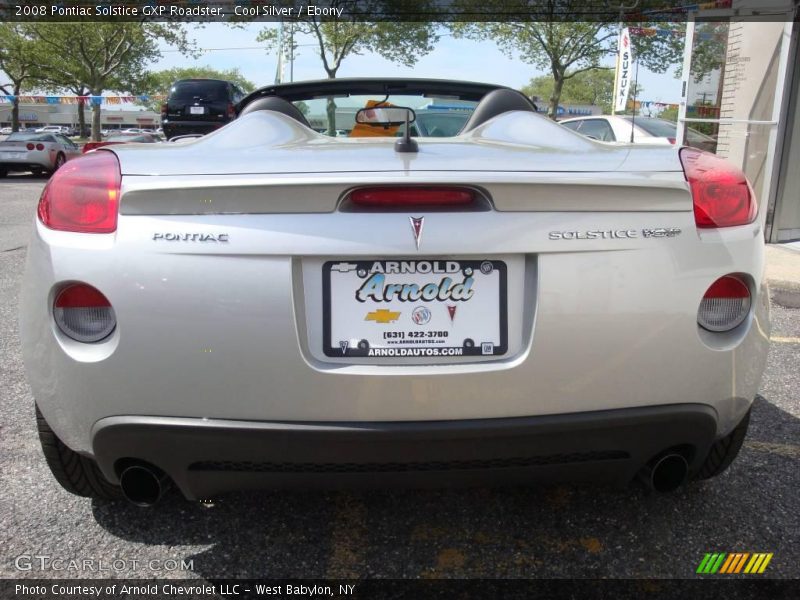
x=724 y=451
x=60 y=160
x=76 y=473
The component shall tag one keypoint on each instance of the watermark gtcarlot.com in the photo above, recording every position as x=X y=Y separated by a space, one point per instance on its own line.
x=44 y=562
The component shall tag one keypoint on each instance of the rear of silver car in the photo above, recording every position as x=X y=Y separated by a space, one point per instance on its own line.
x=229 y=366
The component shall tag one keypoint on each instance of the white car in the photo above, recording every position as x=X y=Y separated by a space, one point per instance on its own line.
x=646 y=130
x=36 y=152
x=52 y=129
x=266 y=306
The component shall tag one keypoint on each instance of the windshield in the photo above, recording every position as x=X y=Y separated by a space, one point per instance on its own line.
x=436 y=117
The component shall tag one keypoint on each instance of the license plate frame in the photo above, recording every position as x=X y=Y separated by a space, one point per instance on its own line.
x=369 y=349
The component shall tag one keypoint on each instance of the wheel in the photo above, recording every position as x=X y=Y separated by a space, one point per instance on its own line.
x=724 y=451
x=60 y=160
x=76 y=473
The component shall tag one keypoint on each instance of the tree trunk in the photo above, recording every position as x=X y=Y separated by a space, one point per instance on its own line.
x=15 y=110
x=81 y=120
x=331 y=110
x=330 y=107
x=96 y=136
x=555 y=98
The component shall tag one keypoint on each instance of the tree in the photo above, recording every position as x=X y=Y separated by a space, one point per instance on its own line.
x=595 y=87
x=105 y=56
x=568 y=47
x=19 y=60
x=160 y=82
x=337 y=39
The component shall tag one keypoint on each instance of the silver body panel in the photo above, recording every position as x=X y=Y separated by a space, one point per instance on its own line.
x=233 y=331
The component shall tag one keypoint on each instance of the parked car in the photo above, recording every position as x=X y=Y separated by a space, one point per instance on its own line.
x=646 y=130
x=35 y=152
x=142 y=138
x=6 y=130
x=199 y=106
x=270 y=307
x=52 y=129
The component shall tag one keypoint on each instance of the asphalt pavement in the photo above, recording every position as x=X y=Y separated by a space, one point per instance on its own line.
x=563 y=531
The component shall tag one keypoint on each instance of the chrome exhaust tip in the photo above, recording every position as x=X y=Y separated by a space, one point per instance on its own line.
x=666 y=473
x=143 y=485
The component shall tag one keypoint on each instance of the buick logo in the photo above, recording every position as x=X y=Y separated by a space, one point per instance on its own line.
x=417 y=224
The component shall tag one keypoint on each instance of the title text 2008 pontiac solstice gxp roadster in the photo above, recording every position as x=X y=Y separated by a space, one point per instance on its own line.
x=270 y=306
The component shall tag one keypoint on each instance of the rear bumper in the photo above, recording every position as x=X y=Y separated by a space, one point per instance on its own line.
x=24 y=164
x=207 y=457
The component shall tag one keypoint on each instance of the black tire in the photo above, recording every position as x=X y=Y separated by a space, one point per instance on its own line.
x=724 y=451
x=60 y=160
x=76 y=473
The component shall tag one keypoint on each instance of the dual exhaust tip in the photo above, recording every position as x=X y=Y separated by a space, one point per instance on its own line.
x=144 y=485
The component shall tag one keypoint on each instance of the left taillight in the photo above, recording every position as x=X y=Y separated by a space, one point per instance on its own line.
x=231 y=111
x=83 y=195
x=83 y=313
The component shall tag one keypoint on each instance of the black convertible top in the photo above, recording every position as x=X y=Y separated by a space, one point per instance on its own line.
x=322 y=88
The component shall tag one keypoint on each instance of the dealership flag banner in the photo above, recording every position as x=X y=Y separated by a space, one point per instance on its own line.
x=624 y=69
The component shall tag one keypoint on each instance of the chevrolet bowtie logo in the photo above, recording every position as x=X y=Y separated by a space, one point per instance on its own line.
x=382 y=315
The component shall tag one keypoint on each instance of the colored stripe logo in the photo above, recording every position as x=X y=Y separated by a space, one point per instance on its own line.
x=734 y=563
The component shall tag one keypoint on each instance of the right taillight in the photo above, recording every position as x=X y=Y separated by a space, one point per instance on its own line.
x=83 y=313
x=721 y=193
x=82 y=196
x=164 y=109
x=724 y=305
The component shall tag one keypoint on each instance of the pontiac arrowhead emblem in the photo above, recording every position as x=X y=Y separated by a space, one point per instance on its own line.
x=416 y=227
x=452 y=311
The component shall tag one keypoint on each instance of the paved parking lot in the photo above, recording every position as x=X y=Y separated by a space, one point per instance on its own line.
x=560 y=531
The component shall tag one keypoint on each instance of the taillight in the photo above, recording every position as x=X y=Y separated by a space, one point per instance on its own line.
x=40 y=146
x=30 y=146
x=721 y=193
x=724 y=305
x=671 y=140
x=412 y=196
x=83 y=313
x=164 y=108
x=231 y=110
x=82 y=196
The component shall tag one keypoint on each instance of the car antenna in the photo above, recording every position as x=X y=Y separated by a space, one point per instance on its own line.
x=406 y=143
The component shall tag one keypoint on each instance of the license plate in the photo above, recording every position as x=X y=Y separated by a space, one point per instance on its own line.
x=414 y=308
x=197 y=110
x=12 y=154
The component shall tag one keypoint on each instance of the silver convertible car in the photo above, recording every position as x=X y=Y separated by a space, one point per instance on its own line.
x=270 y=307
x=36 y=152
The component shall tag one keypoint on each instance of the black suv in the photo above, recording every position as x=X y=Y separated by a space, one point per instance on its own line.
x=199 y=106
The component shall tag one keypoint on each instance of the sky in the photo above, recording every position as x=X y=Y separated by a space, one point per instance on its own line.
x=451 y=59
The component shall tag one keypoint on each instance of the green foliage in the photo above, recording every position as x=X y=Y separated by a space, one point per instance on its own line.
x=335 y=40
x=20 y=60
x=595 y=87
x=102 y=56
x=160 y=82
x=564 y=49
